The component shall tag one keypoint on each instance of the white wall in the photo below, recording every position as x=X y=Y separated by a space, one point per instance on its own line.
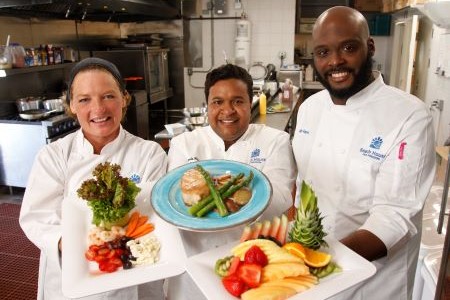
x=438 y=87
x=273 y=30
x=382 y=57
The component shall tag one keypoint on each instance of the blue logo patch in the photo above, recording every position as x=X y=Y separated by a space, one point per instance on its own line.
x=135 y=178
x=372 y=152
x=254 y=157
x=255 y=153
x=376 y=143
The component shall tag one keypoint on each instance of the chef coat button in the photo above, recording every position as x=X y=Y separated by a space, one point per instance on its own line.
x=343 y=151
x=337 y=188
x=319 y=144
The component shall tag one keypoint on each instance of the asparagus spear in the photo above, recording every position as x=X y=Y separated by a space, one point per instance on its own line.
x=202 y=203
x=225 y=195
x=222 y=210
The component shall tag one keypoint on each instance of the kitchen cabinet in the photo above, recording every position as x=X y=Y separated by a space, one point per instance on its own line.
x=311 y=9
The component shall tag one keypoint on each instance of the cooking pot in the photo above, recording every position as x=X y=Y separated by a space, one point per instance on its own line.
x=35 y=114
x=54 y=104
x=28 y=103
x=194 y=111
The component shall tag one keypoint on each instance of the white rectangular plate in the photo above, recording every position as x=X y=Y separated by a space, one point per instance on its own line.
x=355 y=269
x=82 y=278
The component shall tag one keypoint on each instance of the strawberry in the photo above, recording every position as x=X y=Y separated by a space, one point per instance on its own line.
x=234 y=285
x=255 y=255
x=250 y=274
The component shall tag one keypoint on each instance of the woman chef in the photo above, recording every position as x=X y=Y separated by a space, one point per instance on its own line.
x=97 y=98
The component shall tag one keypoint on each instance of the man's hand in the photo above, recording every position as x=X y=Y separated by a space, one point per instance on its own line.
x=366 y=244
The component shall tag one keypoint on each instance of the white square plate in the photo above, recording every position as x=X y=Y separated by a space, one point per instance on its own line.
x=355 y=269
x=82 y=278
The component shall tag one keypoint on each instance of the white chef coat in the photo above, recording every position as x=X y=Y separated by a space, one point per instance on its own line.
x=371 y=163
x=267 y=149
x=57 y=173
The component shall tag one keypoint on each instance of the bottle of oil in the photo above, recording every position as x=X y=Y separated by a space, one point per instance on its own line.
x=262 y=104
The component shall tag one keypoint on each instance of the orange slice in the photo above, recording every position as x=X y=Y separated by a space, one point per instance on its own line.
x=315 y=258
x=295 y=249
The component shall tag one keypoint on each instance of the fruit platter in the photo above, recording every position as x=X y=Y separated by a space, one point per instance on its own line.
x=109 y=242
x=277 y=259
x=179 y=198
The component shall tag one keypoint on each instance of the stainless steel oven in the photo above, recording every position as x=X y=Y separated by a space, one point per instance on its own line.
x=21 y=140
x=145 y=67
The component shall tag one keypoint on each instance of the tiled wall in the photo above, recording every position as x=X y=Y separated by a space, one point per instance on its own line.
x=273 y=30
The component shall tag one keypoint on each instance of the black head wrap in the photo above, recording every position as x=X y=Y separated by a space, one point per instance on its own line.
x=94 y=61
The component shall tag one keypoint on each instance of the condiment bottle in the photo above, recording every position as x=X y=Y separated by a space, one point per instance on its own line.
x=262 y=104
x=287 y=93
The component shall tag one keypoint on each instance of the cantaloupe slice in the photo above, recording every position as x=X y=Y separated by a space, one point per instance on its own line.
x=275 y=227
x=246 y=233
x=266 y=228
x=282 y=231
x=256 y=230
x=297 y=285
x=268 y=293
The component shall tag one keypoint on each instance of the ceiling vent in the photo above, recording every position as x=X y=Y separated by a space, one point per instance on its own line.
x=93 y=10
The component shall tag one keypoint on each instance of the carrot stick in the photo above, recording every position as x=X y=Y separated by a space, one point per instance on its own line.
x=132 y=223
x=142 y=220
x=144 y=229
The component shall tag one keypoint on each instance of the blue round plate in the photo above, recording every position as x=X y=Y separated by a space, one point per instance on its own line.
x=168 y=203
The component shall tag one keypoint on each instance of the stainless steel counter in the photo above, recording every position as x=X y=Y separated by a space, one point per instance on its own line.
x=280 y=120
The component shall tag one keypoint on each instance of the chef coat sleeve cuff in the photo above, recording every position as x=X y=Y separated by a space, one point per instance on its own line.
x=391 y=232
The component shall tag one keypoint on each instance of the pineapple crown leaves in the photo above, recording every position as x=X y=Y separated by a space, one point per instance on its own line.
x=308 y=229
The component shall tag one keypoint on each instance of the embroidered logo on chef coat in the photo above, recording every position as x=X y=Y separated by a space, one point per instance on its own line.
x=255 y=156
x=375 y=144
x=135 y=178
x=303 y=131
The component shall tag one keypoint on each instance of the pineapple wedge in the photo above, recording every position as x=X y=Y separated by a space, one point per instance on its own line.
x=274 y=253
x=282 y=270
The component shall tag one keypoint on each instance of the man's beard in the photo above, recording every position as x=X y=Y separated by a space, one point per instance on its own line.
x=362 y=79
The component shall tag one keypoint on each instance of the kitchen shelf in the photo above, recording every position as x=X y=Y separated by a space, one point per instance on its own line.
x=11 y=72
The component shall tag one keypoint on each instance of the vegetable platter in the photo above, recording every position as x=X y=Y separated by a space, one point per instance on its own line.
x=109 y=242
x=81 y=277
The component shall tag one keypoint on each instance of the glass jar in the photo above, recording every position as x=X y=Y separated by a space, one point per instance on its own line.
x=18 y=56
x=5 y=57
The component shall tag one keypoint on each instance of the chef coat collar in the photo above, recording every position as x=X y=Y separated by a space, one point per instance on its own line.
x=218 y=140
x=361 y=97
x=86 y=147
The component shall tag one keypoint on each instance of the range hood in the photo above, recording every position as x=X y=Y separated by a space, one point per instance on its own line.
x=438 y=12
x=122 y=11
